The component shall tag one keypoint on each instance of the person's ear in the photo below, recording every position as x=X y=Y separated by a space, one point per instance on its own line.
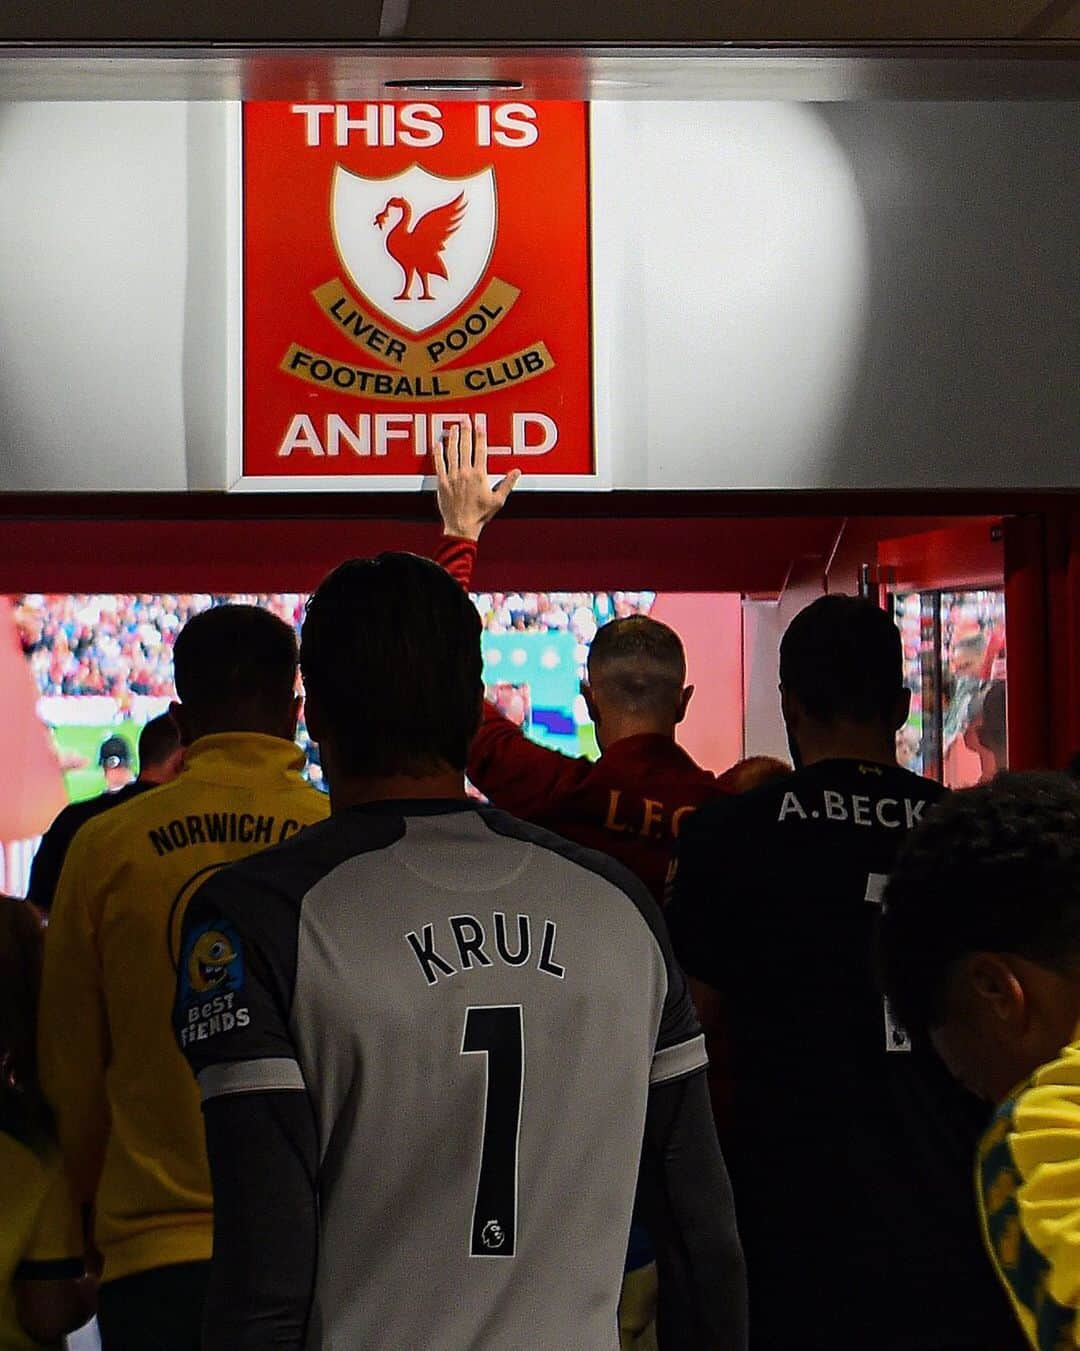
x=790 y=708
x=997 y=989
x=902 y=710
x=590 y=702
x=684 y=703
x=179 y=715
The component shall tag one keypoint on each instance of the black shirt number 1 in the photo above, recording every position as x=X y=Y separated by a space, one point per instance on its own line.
x=498 y=1033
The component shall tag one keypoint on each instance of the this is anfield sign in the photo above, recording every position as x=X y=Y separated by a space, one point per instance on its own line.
x=407 y=265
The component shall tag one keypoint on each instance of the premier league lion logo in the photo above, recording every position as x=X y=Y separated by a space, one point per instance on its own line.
x=492 y=1235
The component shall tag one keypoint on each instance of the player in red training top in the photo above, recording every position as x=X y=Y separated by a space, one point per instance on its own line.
x=631 y=802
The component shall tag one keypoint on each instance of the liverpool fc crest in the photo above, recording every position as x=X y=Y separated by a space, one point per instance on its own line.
x=416 y=245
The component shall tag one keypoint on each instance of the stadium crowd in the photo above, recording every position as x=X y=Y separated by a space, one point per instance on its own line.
x=633 y=1054
x=123 y=645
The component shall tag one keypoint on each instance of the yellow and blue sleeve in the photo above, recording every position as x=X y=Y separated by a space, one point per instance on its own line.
x=1029 y=1200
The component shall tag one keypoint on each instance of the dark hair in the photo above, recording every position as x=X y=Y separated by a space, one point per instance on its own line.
x=992 y=725
x=639 y=662
x=390 y=653
x=114 y=748
x=233 y=664
x=755 y=772
x=992 y=869
x=159 y=739
x=841 y=658
x=24 y=1113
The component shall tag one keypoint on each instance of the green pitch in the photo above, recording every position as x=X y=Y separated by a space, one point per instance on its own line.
x=85 y=742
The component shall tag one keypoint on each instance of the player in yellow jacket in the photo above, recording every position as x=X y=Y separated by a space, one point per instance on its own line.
x=44 y=1291
x=127 y=1108
x=980 y=944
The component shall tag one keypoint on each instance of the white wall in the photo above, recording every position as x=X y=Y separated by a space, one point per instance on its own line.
x=764 y=624
x=763 y=724
x=731 y=265
x=93 y=254
x=787 y=295
x=856 y=295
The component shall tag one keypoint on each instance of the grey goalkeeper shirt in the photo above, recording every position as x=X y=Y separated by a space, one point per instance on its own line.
x=476 y=1010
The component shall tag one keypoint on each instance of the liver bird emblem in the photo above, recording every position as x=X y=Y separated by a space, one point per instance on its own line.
x=417 y=249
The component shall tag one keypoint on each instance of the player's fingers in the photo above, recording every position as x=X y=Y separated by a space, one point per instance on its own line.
x=480 y=452
x=439 y=455
x=506 y=486
x=466 y=444
x=453 y=448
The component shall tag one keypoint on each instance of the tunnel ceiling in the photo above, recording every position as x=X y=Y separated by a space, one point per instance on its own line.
x=689 y=22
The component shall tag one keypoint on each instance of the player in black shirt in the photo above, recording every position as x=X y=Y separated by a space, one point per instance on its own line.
x=160 y=759
x=851 y=1150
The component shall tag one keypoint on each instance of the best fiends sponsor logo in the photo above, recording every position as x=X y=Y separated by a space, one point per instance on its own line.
x=213 y=977
x=415 y=248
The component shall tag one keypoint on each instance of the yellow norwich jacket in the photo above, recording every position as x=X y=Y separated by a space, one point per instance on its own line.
x=40 y=1234
x=1029 y=1198
x=127 y=1105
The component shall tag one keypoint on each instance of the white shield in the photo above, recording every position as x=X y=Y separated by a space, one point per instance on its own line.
x=412 y=235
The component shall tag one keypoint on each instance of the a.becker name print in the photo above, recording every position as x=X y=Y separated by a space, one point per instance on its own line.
x=408 y=265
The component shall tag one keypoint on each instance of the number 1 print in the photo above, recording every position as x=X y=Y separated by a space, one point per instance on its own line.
x=497 y=1032
x=896 y=1039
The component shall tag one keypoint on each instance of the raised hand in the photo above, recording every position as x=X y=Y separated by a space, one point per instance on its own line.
x=467 y=501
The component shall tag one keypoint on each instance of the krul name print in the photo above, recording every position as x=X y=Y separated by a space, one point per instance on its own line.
x=408 y=265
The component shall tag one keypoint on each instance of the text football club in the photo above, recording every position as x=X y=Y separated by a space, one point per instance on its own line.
x=408 y=265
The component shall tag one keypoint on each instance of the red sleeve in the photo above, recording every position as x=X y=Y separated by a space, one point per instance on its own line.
x=458 y=557
x=515 y=773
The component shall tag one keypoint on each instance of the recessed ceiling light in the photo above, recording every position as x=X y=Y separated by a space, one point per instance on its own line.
x=465 y=86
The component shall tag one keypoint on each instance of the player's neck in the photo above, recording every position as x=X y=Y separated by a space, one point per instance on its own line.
x=356 y=792
x=846 y=741
x=620 y=729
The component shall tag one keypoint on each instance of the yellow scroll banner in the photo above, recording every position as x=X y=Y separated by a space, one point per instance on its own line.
x=466 y=382
x=437 y=349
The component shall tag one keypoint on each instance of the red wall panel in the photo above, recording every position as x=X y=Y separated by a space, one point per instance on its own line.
x=711 y=630
x=676 y=554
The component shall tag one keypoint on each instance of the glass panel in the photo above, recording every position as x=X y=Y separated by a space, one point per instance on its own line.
x=954 y=665
x=918 y=742
x=973 y=669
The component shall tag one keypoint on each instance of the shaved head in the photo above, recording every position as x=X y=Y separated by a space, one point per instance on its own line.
x=638 y=665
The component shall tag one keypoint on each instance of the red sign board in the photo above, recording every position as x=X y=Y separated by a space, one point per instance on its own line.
x=407 y=265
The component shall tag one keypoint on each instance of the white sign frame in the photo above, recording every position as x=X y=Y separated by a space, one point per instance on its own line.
x=602 y=349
